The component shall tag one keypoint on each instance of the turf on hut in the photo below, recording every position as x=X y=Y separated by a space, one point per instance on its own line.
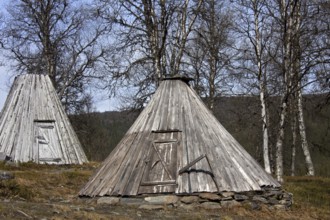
x=176 y=146
x=34 y=126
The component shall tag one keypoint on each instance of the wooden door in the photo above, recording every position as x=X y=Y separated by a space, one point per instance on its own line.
x=48 y=145
x=160 y=173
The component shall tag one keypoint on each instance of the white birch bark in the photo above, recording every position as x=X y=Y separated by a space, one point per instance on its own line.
x=294 y=139
x=262 y=88
x=301 y=122
x=264 y=129
x=279 y=142
x=287 y=25
x=302 y=131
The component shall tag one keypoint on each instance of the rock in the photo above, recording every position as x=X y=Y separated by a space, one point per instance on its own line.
x=132 y=201
x=65 y=201
x=239 y=197
x=108 y=200
x=55 y=211
x=162 y=200
x=89 y=209
x=287 y=196
x=189 y=199
x=210 y=196
x=188 y=206
x=273 y=193
x=273 y=201
x=287 y=203
x=227 y=194
x=151 y=207
x=11 y=164
x=260 y=199
x=5 y=175
x=280 y=207
x=230 y=204
x=75 y=208
x=210 y=205
x=255 y=206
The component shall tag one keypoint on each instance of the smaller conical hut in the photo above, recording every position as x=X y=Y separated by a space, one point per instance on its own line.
x=34 y=126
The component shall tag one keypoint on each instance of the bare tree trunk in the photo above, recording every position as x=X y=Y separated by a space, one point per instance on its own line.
x=264 y=128
x=279 y=142
x=294 y=137
x=302 y=132
x=297 y=68
x=185 y=31
x=287 y=23
x=262 y=84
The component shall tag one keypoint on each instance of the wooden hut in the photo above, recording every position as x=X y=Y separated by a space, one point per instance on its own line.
x=34 y=126
x=177 y=146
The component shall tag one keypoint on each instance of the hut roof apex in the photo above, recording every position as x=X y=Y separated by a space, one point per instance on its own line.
x=183 y=78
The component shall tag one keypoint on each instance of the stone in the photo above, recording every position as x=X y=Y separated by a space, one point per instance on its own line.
x=210 y=196
x=189 y=199
x=89 y=209
x=227 y=194
x=239 y=197
x=188 y=206
x=287 y=203
x=260 y=199
x=273 y=193
x=280 y=207
x=151 y=207
x=255 y=206
x=287 y=196
x=230 y=204
x=55 y=211
x=162 y=200
x=132 y=201
x=273 y=201
x=210 y=205
x=108 y=200
x=5 y=175
x=75 y=208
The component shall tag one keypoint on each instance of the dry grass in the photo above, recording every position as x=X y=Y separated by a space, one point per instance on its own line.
x=51 y=191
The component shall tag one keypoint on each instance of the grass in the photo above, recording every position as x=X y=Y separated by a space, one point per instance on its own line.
x=45 y=185
x=311 y=195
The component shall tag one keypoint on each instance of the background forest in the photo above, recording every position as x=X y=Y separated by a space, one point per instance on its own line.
x=262 y=67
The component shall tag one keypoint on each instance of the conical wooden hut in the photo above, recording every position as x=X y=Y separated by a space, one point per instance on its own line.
x=34 y=126
x=177 y=146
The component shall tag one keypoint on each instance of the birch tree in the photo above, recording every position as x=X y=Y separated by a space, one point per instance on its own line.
x=285 y=23
x=150 y=37
x=255 y=29
x=303 y=55
x=58 y=38
x=209 y=52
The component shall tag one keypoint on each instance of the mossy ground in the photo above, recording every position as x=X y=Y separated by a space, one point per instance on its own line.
x=50 y=192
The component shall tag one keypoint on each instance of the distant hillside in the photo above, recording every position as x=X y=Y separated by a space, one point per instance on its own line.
x=100 y=132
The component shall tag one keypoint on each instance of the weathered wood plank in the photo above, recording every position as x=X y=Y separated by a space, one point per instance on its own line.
x=32 y=98
x=207 y=157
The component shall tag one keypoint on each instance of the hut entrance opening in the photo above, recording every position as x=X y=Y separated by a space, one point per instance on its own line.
x=160 y=173
x=46 y=142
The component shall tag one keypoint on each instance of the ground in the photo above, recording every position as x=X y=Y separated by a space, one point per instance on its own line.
x=50 y=192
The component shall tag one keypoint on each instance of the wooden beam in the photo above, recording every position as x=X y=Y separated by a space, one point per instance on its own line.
x=185 y=168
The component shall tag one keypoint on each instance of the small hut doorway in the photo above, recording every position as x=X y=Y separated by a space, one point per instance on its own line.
x=160 y=173
x=46 y=141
